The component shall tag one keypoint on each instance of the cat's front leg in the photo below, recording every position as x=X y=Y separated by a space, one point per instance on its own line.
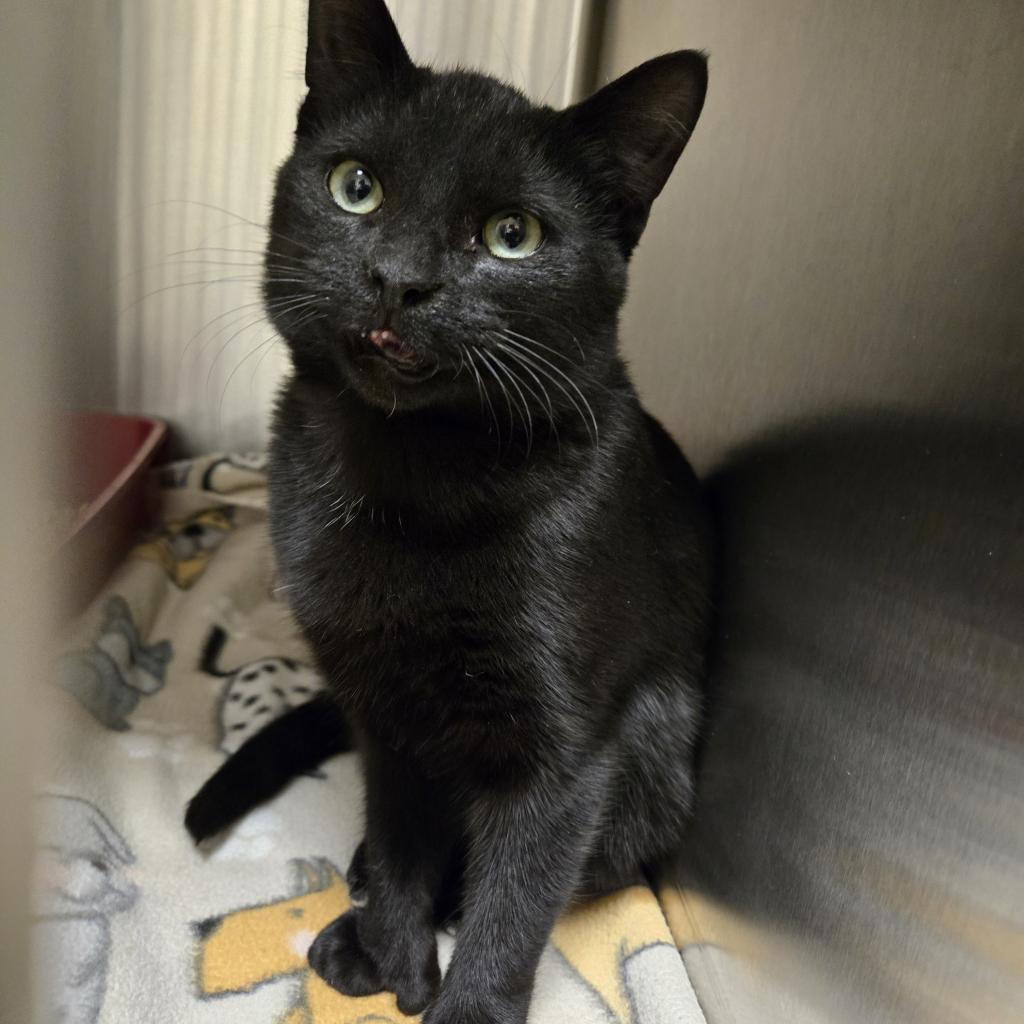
x=527 y=849
x=389 y=943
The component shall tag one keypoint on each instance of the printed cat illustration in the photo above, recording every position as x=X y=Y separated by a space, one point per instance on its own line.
x=185 y=546
x=255 y=693
x=81 y=883
x=601 y=943
x=254 y=946
x=111 y=677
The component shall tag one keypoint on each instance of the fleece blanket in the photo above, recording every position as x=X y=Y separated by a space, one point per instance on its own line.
x=184 y=654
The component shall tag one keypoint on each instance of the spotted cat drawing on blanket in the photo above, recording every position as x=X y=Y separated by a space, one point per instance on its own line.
x=255 y=693
x=511 y=609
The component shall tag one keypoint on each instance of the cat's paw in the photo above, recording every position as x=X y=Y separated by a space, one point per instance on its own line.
x=341 y=957
x=338 y=957
x=415 y=994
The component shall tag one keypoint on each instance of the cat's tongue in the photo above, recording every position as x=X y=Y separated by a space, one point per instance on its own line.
x=389 y=344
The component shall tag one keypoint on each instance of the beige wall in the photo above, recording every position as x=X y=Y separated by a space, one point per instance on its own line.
x=846 y=227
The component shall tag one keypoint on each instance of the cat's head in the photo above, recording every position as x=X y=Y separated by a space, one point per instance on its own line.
x=438 y=240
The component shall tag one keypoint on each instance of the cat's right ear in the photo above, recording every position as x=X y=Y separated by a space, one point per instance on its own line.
x=352 y=46
x=641 y=123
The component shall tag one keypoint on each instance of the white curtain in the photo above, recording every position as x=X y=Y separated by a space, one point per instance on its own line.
x=207 y=92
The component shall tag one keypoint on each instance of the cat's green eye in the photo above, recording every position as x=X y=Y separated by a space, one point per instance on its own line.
x=355 y=188
x=513 y=234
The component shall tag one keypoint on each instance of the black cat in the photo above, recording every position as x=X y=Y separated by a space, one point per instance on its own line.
x=500 y=561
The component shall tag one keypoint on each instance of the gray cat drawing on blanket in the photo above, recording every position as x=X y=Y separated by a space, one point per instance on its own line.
x=81 y=883
x=111 y=677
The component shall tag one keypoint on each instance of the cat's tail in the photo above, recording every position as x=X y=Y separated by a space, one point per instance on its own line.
x=211 y=653
x=293 y=744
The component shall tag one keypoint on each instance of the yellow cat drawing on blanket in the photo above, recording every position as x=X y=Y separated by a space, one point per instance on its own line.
x=185 y=546
x=256 y=945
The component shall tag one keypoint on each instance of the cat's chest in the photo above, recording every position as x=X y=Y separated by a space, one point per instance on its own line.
x=367 y=578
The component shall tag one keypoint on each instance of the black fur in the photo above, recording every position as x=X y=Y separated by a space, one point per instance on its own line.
x=500 y=561
x=291 y=745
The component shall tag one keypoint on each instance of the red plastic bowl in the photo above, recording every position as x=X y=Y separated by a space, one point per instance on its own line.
x=105 y=480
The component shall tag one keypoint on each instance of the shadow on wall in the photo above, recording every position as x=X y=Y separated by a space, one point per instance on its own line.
x=862 y=780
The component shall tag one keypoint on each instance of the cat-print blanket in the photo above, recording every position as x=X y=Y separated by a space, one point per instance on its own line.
x=185 y=653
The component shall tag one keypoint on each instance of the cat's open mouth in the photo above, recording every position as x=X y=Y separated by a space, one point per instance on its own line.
x=404 y=358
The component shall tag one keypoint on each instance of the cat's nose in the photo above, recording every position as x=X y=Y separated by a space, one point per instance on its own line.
x=400 y=290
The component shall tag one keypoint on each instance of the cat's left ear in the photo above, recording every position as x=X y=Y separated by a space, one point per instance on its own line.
x=353 y=47
x=643 y=120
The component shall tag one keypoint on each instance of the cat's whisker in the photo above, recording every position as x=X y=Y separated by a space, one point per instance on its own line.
x=285 y=300
x=504 y=390
x=261 y=273
x=261 y=269
x=555 y=323
x=462 y=364
x=211 y=322
x=315 y=314
x=259 y=363
x=514 y=381
x=254 y=320
x=300 y=305
x=260 y=253
x=544 y=391
x=256 y=266
x=273 y=279
x=482 y=389
x=537 y=361
x=465 y=355
x=543 y=399
x=274 y=305
x=244 y=220
x=227 y=344
x=531 y=346
x=521 y=360
x=269 y=341
x=534 y=343
x=296 y=304
x=196 y=262
x=255 y=280
x=524 y=415
x=523 y=365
